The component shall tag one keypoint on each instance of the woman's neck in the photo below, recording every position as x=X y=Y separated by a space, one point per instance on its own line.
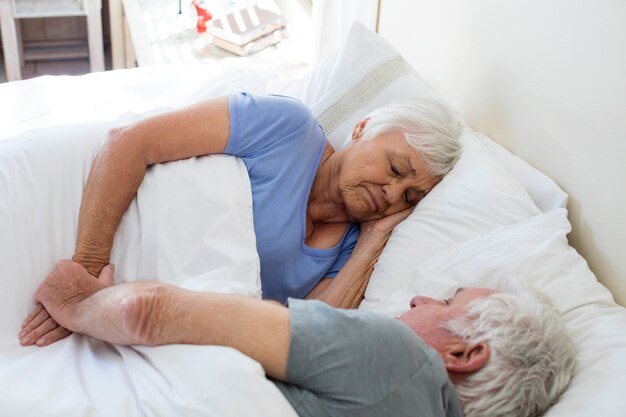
x=325 y=203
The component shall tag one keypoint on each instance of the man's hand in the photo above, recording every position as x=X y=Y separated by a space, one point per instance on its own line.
x=56 y=299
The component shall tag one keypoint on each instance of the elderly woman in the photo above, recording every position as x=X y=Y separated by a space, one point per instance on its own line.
x=308 y=199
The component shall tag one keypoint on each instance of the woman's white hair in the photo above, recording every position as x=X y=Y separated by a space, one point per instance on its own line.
x=430 y=127
x=531 y=360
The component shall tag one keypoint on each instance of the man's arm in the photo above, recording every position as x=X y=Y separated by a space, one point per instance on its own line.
x=347 y=288
x=153 y=314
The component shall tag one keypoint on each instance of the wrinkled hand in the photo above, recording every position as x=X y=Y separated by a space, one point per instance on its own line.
x=55 y=301
x=383 y=227
x=375 y=233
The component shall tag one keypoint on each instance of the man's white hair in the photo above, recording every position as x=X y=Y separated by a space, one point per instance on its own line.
x=430 y=127
x=532 y=356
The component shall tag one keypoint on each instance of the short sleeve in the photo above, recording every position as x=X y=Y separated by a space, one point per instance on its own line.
x=260 y=121
x=355 y=363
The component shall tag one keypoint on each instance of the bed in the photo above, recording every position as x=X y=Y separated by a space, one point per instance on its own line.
x=495 y=217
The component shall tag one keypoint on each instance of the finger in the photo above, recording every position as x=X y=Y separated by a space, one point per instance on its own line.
x=36 y=321
x=52 y=336
x=45 y=327
x=107 y=275
x=406 y=213
x=400 y=216
x=33 y=313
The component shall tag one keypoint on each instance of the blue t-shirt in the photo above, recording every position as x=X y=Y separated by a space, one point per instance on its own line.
x=282 y=145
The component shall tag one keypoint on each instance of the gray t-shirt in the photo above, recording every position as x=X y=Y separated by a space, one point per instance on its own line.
x=355 y=363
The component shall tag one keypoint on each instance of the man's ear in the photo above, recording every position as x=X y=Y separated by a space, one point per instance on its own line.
x=464 y=358
x=357 y=132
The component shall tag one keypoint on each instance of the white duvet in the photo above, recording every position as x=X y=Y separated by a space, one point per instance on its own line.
x=190 y=225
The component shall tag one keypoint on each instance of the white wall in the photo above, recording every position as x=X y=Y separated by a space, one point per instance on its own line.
x=547 y=79
x=332 y=20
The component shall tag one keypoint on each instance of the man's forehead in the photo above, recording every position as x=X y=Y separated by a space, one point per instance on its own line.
x=472 y=293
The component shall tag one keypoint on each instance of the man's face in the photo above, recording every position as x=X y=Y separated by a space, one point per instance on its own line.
x=427 y=315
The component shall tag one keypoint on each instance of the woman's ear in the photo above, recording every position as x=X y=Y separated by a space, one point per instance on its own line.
x=462 y=358
x=357 y=132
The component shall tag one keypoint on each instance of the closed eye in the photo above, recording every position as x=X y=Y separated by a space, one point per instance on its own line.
x=413 y=196
x=394 y=170
x=448 y=300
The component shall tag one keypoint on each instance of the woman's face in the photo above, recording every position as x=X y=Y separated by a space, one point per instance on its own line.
x=381 y=177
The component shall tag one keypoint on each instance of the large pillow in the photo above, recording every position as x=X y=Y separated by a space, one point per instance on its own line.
x=536 y=251
x=363 y=74
x=546 y=194
x=366 y=72
x=476 y=197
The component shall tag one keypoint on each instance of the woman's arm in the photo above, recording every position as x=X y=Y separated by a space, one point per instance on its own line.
x=115 y=176
x=346 y=290
x=119 y=168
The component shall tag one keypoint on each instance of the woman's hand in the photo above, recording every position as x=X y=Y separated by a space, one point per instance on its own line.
x=56 y=299
x=347 y=289
x=378 y=231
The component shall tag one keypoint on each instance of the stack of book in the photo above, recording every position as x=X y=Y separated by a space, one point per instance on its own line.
x=247 y=30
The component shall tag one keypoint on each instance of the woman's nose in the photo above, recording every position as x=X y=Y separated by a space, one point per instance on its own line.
x=421 y=300
x=394 y=192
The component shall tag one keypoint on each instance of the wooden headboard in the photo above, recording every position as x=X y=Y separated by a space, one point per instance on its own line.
x=548 y=81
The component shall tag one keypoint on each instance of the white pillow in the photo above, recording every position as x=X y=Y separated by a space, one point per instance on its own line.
x=366 y=72
x=536 y=251
x=476 y=197
x=546 y=194
x=362 y=75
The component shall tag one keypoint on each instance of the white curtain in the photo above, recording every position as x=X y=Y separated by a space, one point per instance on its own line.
x=332 y=19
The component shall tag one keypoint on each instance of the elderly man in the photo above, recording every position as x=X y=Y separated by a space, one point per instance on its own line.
x=498 y=353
